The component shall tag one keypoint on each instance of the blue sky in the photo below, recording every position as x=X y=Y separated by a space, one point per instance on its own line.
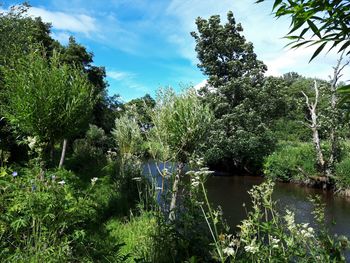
x=146 y=44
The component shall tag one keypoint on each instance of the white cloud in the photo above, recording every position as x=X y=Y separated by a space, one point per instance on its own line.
x=62 y=37
x=297 y=60
x=127 y=80
x=200 y=85
x=77 y=23
x=260 y=27
x=185 y=14
x=119 y=75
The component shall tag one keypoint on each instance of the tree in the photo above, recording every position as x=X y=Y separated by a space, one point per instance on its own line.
x=47 y=98
x=142 y=107
x=105 y=106
x=180 y=123
x=327 y=21
x=240 y=135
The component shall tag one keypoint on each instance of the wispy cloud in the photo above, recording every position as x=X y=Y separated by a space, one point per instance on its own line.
x=122 y=81
x=76 y=23
x=119 y=75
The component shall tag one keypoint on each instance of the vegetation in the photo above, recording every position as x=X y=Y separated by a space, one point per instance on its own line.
x=102 y=206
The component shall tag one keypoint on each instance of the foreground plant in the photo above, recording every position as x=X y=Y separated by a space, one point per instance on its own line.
x=268 y=236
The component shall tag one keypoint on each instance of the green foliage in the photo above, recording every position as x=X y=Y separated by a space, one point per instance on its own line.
x=291 y=162
x=342 y=170
x=41 y=216
x=51 y=217
x=89 y=154
x=142 y=106
x=18 y=32
x=137 y=233
x=46 y=98
x=326 y=21
x=267 y=236
x=180 y=123
x=127 y=135
x=224 y=53
x=240 y=98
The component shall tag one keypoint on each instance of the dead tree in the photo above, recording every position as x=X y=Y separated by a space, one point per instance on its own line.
x=313 y=125
x=337 y=74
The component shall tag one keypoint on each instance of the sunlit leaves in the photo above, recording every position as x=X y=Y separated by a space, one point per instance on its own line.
x=46 y=98
x=327 y=20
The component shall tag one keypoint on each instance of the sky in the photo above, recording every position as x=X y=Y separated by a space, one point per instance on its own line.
x=146 y=44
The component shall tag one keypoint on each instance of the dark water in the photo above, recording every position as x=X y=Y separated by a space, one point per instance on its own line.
x=230 y=192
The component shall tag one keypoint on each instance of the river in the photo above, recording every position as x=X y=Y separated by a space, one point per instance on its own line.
x=230 y=192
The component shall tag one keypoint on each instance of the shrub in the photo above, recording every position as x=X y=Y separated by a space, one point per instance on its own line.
x=137 y=234
x=46 y=217
x=343 y=174
x=291 y=162
x=89 y=153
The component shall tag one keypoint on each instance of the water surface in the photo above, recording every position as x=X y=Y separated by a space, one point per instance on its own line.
x=230 y=192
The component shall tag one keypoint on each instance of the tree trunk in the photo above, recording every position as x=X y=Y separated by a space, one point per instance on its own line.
x=63 y=154
x=334 y=123
x=314 y=128
x=175 y=191
x=52 y=150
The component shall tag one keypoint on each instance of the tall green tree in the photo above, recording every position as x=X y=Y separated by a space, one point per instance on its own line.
x=19 y=32
x=104 y=111
x=47 y=98
x=240 y=135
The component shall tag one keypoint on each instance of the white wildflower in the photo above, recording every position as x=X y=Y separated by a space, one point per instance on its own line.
x=274 y=242
x=62 y=182
x=137 y=179
x=195 y=180
x=289 y=217
x=252 y=247
x=93 y=181
x=31 y=142
x=229 y=251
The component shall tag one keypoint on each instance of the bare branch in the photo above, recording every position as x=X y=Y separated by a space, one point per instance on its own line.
x=306 y=100
x=316 y=95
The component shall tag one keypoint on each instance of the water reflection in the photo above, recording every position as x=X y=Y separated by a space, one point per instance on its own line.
x=230 y=192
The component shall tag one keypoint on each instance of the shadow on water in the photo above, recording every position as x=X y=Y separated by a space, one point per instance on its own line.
x=230 y=192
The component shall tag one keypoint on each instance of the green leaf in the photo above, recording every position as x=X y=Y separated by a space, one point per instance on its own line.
x=344 y=89
x=314 y=28
x=277 y=3
x=347 y=43
x=320 y=48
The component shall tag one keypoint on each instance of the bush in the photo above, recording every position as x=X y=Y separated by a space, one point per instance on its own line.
x=291 y=162
x=342 y=170
x=89 y=153
x=137 y=234
x=47 y=217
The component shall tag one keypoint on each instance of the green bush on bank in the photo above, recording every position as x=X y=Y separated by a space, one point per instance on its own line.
x=48 y=217
x=137 y=235
x=291 y=162
x=342 y=170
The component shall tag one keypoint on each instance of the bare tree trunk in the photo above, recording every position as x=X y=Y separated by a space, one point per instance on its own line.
x=175 y=191
x=314 y=128
x=63 y=154
x=333 y=129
